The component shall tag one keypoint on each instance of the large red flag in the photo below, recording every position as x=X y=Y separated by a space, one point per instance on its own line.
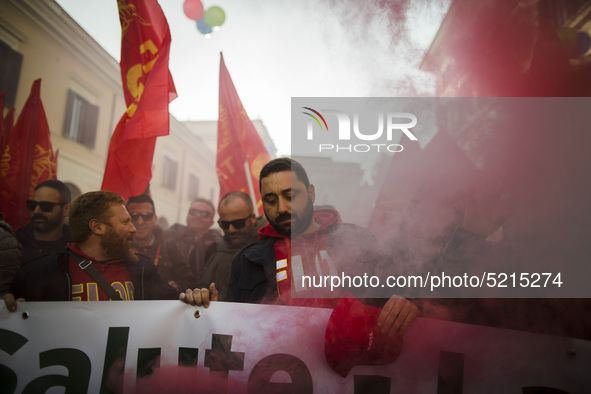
x=27 y=160
x=3 y=136
x=241 y=153
x=2 y=94
x=7 y=127
x=148 y=88
x=6 y=123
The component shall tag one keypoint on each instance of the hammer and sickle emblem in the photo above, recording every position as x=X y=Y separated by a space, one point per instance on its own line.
x=134 y=75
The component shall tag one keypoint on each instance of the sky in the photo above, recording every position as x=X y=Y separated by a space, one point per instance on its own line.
x=279 y=49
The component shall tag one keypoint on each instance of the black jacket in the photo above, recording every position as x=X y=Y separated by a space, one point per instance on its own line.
x=33 y=248
x=253 y=275
x=10 y=256
x=48 y=279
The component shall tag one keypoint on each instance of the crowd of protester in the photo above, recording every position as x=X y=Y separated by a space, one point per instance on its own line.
x=112 y=249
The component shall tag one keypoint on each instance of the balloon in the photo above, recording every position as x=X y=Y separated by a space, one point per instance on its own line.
x=203 y=27
x=568 y=37
x=193 y=9
x=583 y=43
x=214 y=16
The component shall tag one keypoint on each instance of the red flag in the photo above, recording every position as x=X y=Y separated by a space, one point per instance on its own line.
x=7 y=129
x=5 y=123
x=148 y=88
x=238 y=143
x=28 y=159
x=2 y=94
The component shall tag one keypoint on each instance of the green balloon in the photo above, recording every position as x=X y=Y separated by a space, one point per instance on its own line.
x=568 y=37
x=214 y=16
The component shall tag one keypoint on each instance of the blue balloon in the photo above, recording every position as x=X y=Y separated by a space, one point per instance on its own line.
x=203 y=27
x=583 y=43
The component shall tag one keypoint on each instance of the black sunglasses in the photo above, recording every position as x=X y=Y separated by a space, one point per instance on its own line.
x=237 y=224
x=198 y=212
x=46 y=206
x=145 y=216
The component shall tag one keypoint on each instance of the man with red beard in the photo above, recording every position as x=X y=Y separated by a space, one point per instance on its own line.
x=102 y=232
x=302 y=241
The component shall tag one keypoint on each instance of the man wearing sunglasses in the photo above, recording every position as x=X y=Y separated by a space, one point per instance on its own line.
x=193 y=240
x=100 y=264
x=149 y=241
x=300 y=240
x=237 y=220
x=48 y=232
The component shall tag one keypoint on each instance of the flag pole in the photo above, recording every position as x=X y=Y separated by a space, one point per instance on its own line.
x=250 y=187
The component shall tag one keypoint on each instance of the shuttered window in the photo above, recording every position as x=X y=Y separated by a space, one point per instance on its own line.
x=10 y=70
x=193 y=191
x=81 y=120
x=169 y=174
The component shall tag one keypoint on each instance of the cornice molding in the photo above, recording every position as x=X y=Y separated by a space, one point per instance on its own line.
x=11 y=35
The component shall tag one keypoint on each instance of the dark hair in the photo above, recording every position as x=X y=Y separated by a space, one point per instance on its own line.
x=91 y=205
x=204 y=201
x=237 y=194
x=141 y=199
x=284 y=164
x=65 y=196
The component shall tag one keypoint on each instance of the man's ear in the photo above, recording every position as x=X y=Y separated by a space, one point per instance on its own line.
x=252 y=218
x=66 y=210
x=312 y=193
x=96 y=226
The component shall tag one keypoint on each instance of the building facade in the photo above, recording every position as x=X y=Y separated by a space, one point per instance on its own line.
x=83 y=100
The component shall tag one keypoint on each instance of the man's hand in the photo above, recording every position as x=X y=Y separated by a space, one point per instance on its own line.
x=396 y=315
x=200 y=296
x=10 y=301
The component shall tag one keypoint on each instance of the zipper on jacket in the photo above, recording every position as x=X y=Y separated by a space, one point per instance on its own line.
x=69 y=286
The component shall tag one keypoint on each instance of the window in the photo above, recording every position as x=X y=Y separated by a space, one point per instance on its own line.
x=81 y=120
x=170 y=170
x=10 y=70
x=193 y=191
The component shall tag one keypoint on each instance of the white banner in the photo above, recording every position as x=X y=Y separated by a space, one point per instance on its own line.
x=161 y=347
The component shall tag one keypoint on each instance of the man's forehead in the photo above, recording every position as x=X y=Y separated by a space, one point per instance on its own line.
x=139 y=207
x=118 y=211
x=286 y=179
x=201 y=205
x=235 y=206
x=47 y=193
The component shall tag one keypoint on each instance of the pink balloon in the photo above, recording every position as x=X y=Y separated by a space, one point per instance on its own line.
x=193 y=9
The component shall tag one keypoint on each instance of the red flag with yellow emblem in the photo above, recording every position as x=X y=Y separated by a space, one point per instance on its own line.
x=148 y=88
x=241 y=153
x=3 y=135
x=27 y=160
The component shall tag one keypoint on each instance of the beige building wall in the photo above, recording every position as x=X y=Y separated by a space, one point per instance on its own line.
x=57 y=50
x=195 y=161
x=207 y=130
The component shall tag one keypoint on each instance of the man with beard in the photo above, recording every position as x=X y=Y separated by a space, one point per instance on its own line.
x=149 y=241
x=103 y=233
x=301 y=241
x=47 y=233
x=238 y=221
